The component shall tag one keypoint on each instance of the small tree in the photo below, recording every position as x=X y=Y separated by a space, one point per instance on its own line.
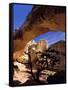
x=42 y=63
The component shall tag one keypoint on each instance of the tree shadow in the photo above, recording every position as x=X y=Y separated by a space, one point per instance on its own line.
x=15 y=83
x=29 y=82
x=58 y=78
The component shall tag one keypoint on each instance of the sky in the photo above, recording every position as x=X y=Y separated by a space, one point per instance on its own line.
x=20 y=13
x=51 y=37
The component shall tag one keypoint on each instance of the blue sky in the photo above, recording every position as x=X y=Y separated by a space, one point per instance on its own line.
x=20 y=13
x=51 y=37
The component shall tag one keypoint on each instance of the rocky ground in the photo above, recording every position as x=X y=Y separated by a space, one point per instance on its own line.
x=21 y=74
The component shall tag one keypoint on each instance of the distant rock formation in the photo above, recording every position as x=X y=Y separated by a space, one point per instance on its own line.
x=31 y=47
x=42 y=46
x=61 y=48
x=30 y=43
x=54 y=75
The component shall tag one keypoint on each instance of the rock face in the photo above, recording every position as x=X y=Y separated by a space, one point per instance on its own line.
x=23 y=76
x=42 y=17
x=40 y=20
x=21 y=73
x=20 y=55
x=32 y=47
x=42 y=46
x=30 y=43
x=61 y=48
